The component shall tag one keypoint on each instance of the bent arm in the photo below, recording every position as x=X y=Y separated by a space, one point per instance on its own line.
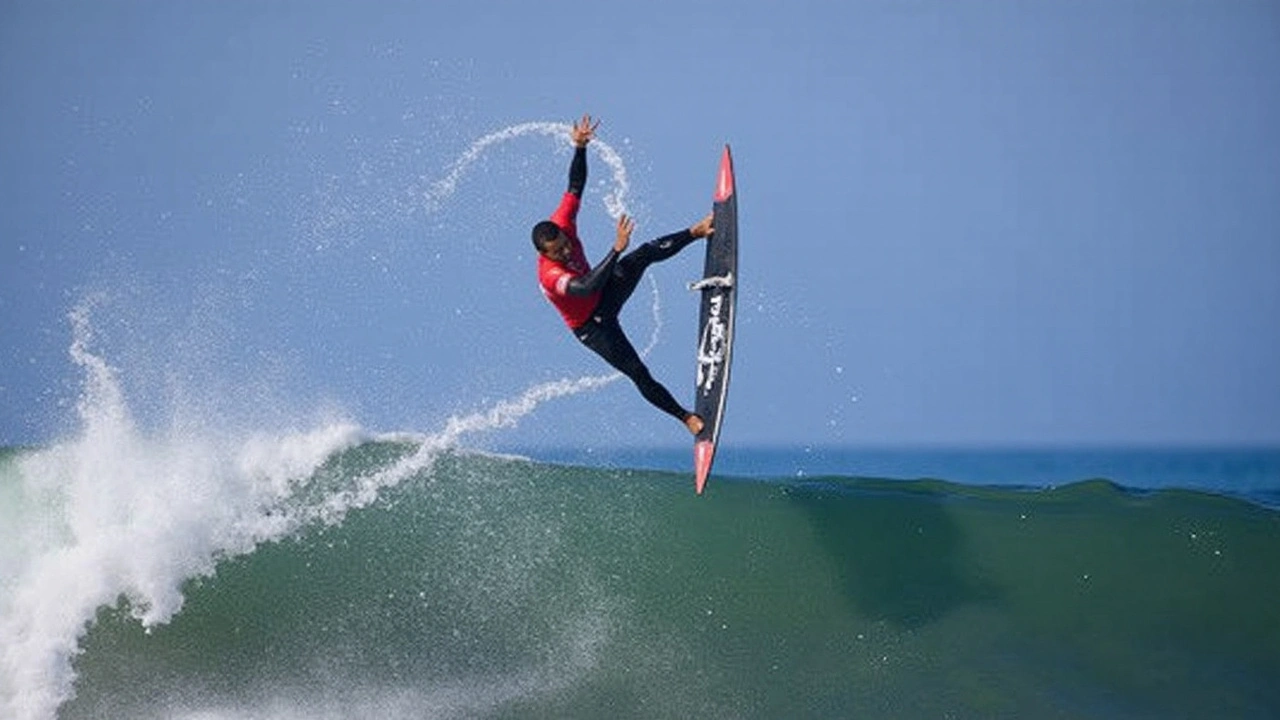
x=593 y=281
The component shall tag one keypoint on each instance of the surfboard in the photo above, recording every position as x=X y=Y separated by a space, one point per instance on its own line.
x=715 y=321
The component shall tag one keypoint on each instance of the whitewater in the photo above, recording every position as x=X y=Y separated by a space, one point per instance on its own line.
x=115 y=514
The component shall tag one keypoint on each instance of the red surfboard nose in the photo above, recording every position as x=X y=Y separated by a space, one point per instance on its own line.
x=724 y=179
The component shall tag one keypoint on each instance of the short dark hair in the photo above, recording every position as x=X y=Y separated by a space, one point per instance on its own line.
x=543 y=233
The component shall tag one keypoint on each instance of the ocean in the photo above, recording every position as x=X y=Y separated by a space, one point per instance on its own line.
x=331 y=574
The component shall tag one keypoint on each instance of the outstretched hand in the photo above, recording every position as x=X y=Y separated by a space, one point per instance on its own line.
x=625 y=226
x=584 y=131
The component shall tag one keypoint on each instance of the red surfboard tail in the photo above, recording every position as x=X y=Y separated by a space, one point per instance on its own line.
x=703 y=452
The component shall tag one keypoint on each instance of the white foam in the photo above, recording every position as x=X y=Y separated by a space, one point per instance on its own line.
x=118 y=513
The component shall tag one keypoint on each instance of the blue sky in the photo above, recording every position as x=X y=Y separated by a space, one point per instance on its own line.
x=962 y=222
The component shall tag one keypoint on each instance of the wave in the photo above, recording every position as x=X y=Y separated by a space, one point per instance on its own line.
x=490 y=586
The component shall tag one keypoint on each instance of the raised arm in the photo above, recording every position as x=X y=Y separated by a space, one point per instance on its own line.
x=583 y=132
x=599 y=275
x=578 y=171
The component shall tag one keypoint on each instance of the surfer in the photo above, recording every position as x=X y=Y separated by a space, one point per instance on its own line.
x=589 y=299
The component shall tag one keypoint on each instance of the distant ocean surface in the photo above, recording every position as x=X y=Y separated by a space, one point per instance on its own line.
x=1252 y=473
x=333 y=575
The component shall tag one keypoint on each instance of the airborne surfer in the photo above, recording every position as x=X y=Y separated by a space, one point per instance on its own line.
x=589 y=299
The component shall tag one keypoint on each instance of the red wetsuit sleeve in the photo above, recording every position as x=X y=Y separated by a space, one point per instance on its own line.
x=566 y=215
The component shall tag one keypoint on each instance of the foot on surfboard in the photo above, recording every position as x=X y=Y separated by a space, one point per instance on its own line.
x=694 y=423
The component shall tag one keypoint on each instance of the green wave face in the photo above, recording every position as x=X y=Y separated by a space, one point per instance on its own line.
x=504 y=588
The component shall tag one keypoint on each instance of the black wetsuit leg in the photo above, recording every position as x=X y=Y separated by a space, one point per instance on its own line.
x=628 y=270
x=603 y=333
x=604 y=336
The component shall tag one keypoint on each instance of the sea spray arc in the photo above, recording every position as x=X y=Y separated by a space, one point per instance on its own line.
x=615 y=201
x=142 y=515
x=505 y=413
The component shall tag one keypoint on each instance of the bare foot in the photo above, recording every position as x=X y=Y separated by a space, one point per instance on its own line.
x=694 y=423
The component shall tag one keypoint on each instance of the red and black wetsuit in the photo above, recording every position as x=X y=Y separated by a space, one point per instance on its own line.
x=590 y=299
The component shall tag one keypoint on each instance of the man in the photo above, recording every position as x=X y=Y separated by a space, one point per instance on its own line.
x=589 y=298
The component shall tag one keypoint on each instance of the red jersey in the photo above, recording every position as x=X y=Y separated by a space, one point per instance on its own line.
x=554 y=277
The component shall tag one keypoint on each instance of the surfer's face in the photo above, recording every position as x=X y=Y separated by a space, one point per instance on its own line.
x=558 y=248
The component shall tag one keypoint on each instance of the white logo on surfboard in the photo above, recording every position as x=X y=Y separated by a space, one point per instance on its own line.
x=711 y=346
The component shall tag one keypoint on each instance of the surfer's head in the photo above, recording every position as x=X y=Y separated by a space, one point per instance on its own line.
x=550 y=241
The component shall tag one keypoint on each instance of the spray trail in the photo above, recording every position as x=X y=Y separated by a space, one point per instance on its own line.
x=505 y=413
x=615 y=201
